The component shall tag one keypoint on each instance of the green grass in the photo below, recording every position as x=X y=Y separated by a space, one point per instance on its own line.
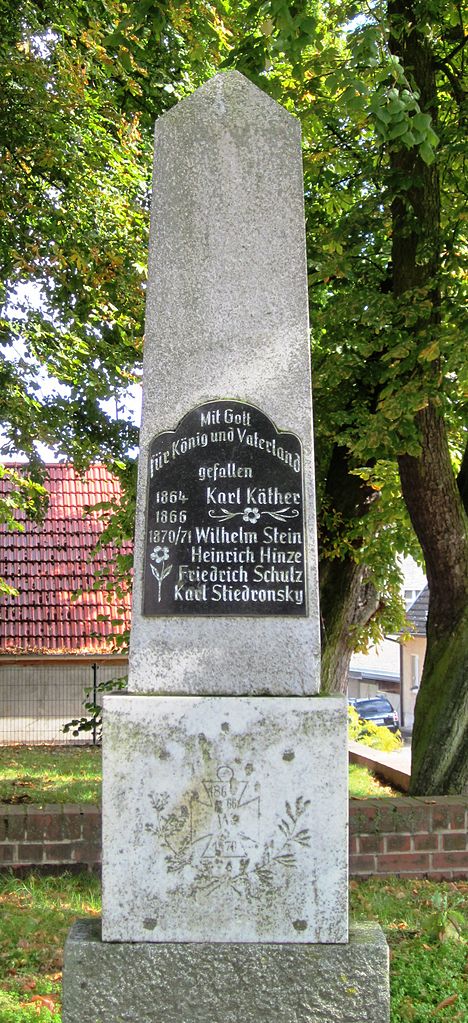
x=363 y=784
x=68 y=774
x=35 y=915
x=425 y=924
x=40 y=774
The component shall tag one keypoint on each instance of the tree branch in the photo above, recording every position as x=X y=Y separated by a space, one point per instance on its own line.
x=455 y=50
x=458 y=92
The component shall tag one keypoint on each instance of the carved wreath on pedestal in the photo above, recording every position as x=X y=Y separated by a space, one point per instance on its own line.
x=227 y=855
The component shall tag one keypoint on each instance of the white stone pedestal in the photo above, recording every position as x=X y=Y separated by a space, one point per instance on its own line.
x=225 y=819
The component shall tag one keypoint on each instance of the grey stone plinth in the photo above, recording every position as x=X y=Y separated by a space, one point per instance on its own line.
x=235 y=983
x=227 y=318
x=225 y=819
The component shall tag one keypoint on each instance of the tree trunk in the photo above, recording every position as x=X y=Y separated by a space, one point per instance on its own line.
x=347 y=599
x=440 y=735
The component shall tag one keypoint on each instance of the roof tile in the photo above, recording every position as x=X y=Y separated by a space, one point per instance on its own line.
x=416 y=614
x=49 y=562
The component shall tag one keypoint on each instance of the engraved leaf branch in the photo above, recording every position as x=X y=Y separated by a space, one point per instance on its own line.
x=167 y=828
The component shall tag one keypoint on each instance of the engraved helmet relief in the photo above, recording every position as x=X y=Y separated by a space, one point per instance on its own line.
x=213 y=839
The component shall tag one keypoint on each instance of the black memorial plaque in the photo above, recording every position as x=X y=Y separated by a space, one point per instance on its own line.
x=225 y=517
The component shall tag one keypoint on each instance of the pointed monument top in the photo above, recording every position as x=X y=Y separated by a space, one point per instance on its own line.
x=225 y=92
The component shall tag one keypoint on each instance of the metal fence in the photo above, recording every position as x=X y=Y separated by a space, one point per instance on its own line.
x=37 y=701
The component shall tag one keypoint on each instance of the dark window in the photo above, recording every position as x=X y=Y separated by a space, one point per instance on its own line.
x=379 y=706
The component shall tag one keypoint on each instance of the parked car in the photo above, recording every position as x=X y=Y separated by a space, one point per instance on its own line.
x=378 y=710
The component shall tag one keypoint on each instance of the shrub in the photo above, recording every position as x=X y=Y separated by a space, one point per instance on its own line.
x=376 y=736
x=92 y=720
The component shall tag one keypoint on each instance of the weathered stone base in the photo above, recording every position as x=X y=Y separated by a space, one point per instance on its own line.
x=225 y=983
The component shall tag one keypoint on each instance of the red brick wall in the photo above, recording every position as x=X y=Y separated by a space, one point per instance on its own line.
x=52 y=838
x=422 y=837
x=409 y=837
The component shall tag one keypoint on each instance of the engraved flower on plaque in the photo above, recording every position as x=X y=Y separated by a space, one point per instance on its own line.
x=160 y=571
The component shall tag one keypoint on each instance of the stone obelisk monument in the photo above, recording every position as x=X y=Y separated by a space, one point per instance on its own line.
x=225 y=775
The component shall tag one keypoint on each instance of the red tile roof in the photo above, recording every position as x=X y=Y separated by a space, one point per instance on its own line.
x=48 y=562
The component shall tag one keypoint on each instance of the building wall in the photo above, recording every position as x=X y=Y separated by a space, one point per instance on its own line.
x=376 y=668
x=37 y=697
x=414 y=579
x=361 y=689
x=413 y=651
x=384 y=659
